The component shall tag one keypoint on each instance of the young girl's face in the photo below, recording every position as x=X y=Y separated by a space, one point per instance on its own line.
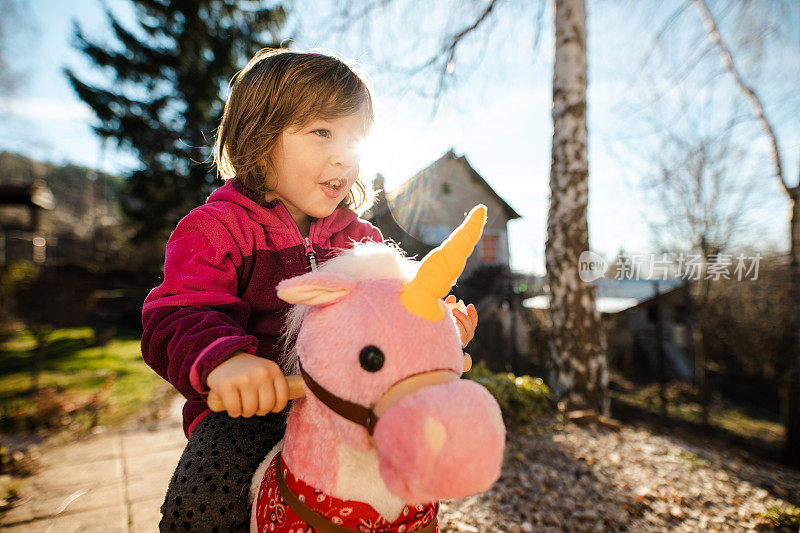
x=315 y=165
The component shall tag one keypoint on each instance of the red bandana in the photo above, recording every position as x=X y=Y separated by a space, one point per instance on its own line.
x=274 y=515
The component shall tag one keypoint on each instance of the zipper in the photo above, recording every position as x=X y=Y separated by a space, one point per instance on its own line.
x=311 y=257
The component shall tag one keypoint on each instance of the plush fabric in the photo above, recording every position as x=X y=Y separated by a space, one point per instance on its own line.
x=440 y=452
x=443 y=440
x=326 y=289
x=373 y=314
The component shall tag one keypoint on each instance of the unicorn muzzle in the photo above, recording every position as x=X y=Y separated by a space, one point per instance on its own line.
x=368 y=416
x=443 y=441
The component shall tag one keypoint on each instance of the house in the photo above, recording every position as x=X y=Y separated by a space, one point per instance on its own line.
x=67 y=221
x=82 y=223
x=421 y=213
x=21 y=235
x=647 y=323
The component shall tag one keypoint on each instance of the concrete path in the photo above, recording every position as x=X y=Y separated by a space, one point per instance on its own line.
x=111 y=482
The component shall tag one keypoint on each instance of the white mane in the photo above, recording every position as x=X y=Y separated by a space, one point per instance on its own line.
x=364 y=261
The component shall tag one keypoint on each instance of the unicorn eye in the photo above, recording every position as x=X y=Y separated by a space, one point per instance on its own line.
x=371 y=358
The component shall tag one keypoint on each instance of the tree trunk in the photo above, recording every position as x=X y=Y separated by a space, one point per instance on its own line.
x=701 y=316
x=577 y=346
x=792 y=451
x=662 y=355
x=705 y=386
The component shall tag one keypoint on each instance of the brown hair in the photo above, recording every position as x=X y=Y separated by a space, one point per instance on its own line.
x=279 y=89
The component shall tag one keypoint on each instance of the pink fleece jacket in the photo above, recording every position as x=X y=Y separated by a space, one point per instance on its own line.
x=223 y=262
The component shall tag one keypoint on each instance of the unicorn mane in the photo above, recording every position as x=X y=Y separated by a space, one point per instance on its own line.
x=365 y=261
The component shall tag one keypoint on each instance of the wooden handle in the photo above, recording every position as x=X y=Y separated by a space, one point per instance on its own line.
x=297 y=388
x=296 y=391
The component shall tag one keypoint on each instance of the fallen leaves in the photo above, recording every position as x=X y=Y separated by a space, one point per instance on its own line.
x=587 y=478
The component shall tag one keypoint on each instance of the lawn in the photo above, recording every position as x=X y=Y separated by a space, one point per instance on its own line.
x=81 y=385
x=748 y=426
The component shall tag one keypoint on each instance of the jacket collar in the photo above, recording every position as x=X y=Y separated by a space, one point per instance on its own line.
x=274 y=215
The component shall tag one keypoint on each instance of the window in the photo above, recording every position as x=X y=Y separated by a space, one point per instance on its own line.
x=444 y=190
x=490 y=252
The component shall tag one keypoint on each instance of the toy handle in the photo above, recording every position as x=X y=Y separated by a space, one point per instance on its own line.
x=297 y=388
x=296 y=391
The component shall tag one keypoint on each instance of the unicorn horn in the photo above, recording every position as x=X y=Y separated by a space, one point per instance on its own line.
x=440 y=269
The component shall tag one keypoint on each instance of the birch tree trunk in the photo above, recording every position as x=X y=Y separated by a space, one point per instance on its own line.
x=577 y=346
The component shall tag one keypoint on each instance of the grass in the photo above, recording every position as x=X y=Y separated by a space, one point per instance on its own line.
x=74 y=370
x=785 y=517
x=742 y=424
x=723 y=415
x=693 y=461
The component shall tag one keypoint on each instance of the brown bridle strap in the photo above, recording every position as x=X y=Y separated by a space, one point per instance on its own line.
x=353 y=412
x=368 y=417
x=313 y=518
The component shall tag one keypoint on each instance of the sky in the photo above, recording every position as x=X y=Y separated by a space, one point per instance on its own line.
x=497 y=112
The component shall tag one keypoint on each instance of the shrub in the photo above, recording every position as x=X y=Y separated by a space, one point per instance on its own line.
x=521 y=398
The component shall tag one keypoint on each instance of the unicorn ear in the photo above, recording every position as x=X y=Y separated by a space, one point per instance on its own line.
x=315 y=288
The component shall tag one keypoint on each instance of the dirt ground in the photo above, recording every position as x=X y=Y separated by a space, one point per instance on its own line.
x=571 y=478
x=589 y=478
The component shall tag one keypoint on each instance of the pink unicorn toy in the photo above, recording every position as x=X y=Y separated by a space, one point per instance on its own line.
x=386 y=428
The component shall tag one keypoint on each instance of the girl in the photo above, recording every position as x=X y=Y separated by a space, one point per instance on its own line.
x=287 y=146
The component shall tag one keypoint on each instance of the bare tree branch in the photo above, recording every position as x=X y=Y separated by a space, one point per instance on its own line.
x=347 y=17
x=755 y=102
x=537 y=27
x=448 y=50
x=659 y=36
x=696 y=181
x=451 y=43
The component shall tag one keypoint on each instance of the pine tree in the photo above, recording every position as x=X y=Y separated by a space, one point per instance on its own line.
x=165 y=96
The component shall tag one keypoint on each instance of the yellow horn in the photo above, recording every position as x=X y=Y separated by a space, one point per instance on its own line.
x=440 y=269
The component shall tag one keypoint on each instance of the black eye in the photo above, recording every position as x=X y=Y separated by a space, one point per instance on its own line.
x=371 y=358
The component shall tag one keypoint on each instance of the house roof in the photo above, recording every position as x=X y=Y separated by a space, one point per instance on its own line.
x=639 y=289
x=604 y=304
x=400 y=193
x=615 y=295
x=34 y=194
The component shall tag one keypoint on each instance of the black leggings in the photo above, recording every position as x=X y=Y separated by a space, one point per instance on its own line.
x=209 y=489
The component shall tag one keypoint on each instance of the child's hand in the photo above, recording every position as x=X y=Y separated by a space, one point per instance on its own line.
x=247 y=385
x=466 y=318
